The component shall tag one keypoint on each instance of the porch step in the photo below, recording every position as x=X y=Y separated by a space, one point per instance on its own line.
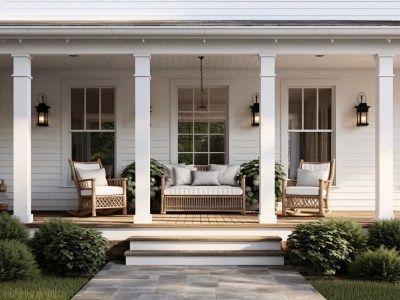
x=204 y=257
x=204 y=250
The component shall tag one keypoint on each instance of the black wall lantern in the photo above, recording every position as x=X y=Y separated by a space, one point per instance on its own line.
x=362 y=110
x=42 y=110
x=255 y=110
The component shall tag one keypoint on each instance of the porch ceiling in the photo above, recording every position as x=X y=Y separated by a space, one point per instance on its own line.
x=182 y=62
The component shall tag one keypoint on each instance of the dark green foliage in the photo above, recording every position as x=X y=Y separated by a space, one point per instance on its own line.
x=377 y=265
x=156 y=171
x=357 y=290
x=16 y=261
x=385 y=232
x=252 y=171
x=76 y=252
x=318 y=248
x=11 y=228
x=354 y=234
x=45 y=235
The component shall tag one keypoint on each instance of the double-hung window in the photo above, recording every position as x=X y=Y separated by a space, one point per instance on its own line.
x=310 y=129
x=202 y=125
x=92 y=125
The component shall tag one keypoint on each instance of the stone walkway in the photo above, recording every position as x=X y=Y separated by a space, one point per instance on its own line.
x=119 y=282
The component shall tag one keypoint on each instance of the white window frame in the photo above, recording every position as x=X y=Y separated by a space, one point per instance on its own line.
x=287 y=84
x=193 y=83
x=66 y=86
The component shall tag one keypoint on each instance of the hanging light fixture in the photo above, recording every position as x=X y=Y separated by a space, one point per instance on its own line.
x=203 y=98
x=42 y=110
x=255 y=110
x=362 y=110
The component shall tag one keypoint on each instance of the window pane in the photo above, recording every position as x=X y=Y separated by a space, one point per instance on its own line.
x=185 y=127
x=89 y=146
x=325 y=109
x=201 y=127
x=185 y=143
x=200 y=100
x=310 y=146
x=217 y=158
x=310 y=108
x=217 y=143
x=186 y=158
x=185 y=99
x=201 y=159
x=295 y=109
x=201 y=143
x=77 y=108
x=92 y=108
x=217 y=127
x=107 y=108
x=218 y=99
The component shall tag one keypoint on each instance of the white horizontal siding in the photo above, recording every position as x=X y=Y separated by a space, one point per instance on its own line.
x=199 y=10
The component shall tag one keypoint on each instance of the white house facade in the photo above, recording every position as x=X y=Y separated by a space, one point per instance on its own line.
x=104 y=64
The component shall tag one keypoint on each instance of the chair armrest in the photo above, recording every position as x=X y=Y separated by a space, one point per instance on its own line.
x=288 y=182
x=325 y=184
x=163 y=182
x=117 y=182
x=243 y=183
x=86 y=184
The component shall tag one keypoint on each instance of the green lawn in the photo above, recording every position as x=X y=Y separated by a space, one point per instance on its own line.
x=357 y=290
x=43 y=287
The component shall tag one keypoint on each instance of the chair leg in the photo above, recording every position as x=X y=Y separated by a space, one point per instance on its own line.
x=93 y=207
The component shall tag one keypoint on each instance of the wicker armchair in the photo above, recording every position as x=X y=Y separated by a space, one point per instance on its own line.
x=91 y=197
x=296 y=197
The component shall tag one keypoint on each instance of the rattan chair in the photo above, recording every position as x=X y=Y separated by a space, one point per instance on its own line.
x=92 y=197
x=313 y=198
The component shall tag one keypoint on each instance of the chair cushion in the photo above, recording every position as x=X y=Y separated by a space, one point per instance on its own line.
x=228 y=173
x=169 y=172
x=205 y=177
x=311 y=177
x=183 y=175
x=104 y=191
x=99 y=175
x=304 y=191
x=316 y=166
x=221 y=190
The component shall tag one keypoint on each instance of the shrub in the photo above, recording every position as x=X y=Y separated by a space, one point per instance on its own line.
x=385 y=232
x=252 y=171
x=318 y=248
x=45 y=234
x=353 y=233
x=77 y=252
x=156 y=171
x=16 y=261
x=377 y=265
x=11 y=228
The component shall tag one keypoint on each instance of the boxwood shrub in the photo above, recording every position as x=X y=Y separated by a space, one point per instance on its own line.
x=11 y=228
x=318 y=248
x=16 y=261
x=385 y=232
x=65 y=248
x=377 y=265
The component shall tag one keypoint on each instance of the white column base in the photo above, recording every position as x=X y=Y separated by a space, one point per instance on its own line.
x=267 y=219
x=25 y=218
x=142 y=219
x=388 y=216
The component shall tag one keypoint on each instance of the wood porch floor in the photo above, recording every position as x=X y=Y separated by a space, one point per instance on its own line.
x=365 y=218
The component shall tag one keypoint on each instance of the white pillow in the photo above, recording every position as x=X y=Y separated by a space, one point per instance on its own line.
x=228 y=173
x=183 y=176
x=169 y=172
x=311 y=178
x=99 y=175
x=205 y=177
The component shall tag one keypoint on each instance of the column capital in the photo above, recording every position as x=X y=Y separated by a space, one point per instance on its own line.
x=384 y=65
x=267 y=65
x=22 y=55
x=22 y=65
x=142 y=65
x=135 y=55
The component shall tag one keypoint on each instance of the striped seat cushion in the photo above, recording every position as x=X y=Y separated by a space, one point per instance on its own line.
x=304 y=191
x=104 y=191
x=189 y=190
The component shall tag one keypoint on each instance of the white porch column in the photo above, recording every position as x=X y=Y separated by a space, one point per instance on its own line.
x=384 y=138
x=22 y=137
x=142 y=139
x=267 y=140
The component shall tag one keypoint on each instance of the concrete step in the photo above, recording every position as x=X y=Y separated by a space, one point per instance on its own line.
x=204 y=257
x=215 y=243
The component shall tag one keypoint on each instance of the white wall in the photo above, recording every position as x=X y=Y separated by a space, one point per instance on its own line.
x=199 y=10
x=354 y=149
